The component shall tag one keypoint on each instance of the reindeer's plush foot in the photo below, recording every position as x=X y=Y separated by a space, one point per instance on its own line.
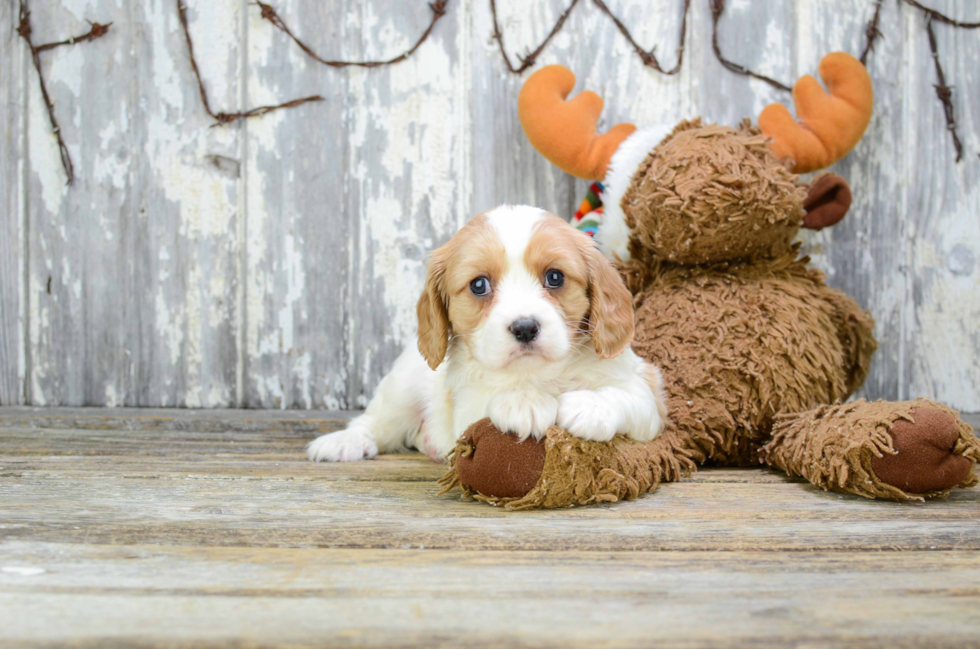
x=497 y=465
x=896 y=451
x=561 y=470
x=928 y=457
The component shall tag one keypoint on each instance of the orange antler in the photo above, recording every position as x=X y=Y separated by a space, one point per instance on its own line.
x=564 y=131
x=831 y=123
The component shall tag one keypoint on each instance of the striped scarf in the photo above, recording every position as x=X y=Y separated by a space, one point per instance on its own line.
x=589 y=215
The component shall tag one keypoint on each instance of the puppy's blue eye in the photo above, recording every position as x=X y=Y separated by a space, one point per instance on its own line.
x=554 y=279
x=480 y=286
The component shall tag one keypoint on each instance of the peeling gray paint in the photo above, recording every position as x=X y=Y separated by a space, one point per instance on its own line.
x=276 y=263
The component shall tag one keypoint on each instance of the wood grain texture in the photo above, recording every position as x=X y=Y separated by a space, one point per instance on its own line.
x=297 y=230
x=187 y=480
x=90 y=593
x=162 y=528
x=864 y=255
x=13 y=70
x=133 y=270
x=407 y=186
x=276 y=263
x=943 y=228
x=187 y=239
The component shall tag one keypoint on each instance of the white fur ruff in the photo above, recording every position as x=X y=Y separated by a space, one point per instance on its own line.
x=614 y=235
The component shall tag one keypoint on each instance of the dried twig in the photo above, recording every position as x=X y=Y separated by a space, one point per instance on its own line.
x=944 y=92
x=935 y=15
x=438 y=11
x=529 y=59
x=24 y=30
x=97 y=31
x=872 y=33
x=220 y=117
x=717 y=8
x=649 y=58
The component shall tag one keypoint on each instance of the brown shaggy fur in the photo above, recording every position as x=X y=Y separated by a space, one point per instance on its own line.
x=576 y=471
x=836 y=447
x=711 y=193
x=739 y=344
x=754 y=347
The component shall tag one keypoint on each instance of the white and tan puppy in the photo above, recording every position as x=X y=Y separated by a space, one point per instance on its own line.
x=522 y=320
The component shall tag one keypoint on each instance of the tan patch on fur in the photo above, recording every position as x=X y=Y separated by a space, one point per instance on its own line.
x=433 y=334
x=479 y=253
x=555 y=245
x=447 y=307
x=592 y=286
x=611 y=309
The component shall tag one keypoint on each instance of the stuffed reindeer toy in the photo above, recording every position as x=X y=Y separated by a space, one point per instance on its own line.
x=758 y=354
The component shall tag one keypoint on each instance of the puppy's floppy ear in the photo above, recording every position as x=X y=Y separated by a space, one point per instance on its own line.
x=433 y=316
x=611 y=306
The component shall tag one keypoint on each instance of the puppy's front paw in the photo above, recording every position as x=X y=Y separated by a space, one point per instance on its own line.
x=343 y=446
x=584 y=414
x=523 y=413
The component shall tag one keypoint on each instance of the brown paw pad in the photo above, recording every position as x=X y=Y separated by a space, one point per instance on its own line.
x=924 y=461
x=498 y=465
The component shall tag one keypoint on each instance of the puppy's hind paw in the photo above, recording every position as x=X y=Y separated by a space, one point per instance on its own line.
x=347 y=445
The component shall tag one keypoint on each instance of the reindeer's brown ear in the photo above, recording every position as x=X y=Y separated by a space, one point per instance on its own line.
x=611 y=307
x=433 y=316
x=826 y=202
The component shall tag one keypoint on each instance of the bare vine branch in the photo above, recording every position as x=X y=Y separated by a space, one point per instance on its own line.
x=222 y=117
x=24 y=31
x=529 y=59
x=944 y=92
x=935 y=15
x=717 y=8
x=871 y=33
x=438 y=11
x=649 y=58
x=97 y=31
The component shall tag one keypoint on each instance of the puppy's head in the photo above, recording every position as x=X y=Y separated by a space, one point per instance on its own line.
x=519 y=285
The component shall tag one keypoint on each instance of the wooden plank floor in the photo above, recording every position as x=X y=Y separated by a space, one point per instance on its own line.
x=169 y=528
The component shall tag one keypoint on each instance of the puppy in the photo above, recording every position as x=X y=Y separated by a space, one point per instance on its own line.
x=522 y=320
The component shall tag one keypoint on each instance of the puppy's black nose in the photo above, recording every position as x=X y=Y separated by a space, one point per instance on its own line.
x=525 y=329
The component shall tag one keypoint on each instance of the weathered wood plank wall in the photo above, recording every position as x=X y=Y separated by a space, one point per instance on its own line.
x=13 y=60
x=276 y=262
